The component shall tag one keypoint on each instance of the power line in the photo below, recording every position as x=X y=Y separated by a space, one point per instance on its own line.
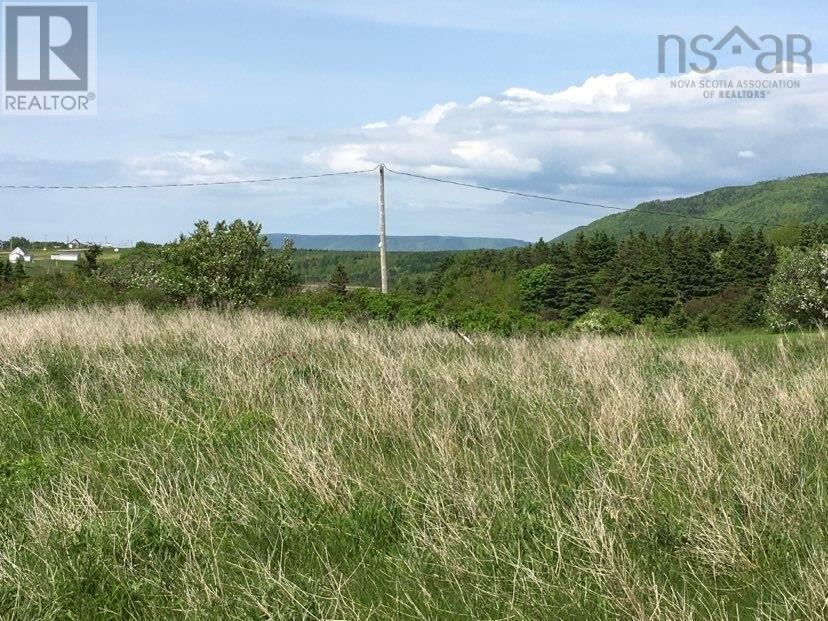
x=584 y=204
x=461 y=184
x=149 y=186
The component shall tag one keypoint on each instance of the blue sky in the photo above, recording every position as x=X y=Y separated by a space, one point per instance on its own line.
x=538 y=96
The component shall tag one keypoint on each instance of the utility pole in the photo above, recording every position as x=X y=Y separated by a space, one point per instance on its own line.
x=382 y=244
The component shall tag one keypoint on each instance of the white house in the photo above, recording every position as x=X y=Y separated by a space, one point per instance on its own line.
x=71 y=257
x=19 y=255
x=74 y=244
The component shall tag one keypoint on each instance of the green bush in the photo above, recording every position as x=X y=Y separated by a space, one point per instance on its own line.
x=602 y=321
x=677 y=322
x=224 y=266
x=228 y=265
x=734 y=308
x=488 y=320
x=75 y=289
x=798 y=289
x=540 y=288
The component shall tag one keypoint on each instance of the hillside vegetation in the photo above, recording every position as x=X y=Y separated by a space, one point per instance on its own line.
x=316 y=266
x=240 y=465
x=769 y=204
x=680 y=282
x=363 y=243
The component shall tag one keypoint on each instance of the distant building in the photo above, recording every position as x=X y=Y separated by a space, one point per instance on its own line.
x=74 y=244
x=18 y=255
x=71 y=257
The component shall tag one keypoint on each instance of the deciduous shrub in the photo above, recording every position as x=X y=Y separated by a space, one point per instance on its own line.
x=798 y=289
x=227 y=265
x=602 y=321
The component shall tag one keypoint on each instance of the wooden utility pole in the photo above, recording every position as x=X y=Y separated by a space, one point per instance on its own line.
x=382 y=244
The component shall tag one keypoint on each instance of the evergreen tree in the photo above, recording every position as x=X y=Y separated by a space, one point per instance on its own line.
x=765 y=253
x=560 y=257
x=692 y=264
x=19 y=272
x=739 y=260
x=666 y=243
x=749 y=259
x=722 y=238
x=601 y=250
x=88 y=263
x=580 y=251
x=579 y=291
x=813 y=235
x=541 y=253
x=541 y=289
x=338 y=282
x=664 y=264
x=579 y=295
x=643 y=283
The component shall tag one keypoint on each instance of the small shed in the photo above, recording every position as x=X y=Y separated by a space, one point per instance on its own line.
x=71 y=257
x=18 y=255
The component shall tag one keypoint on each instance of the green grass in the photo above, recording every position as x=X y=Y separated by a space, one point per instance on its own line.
x=241 y=465
x=42 y=263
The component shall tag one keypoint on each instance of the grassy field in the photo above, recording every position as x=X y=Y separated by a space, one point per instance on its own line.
x=207 y=465
x=43 y=264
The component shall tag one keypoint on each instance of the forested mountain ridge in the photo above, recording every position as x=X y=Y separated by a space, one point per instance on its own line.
x=771 y=205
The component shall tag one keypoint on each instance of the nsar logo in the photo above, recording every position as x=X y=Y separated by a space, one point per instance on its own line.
x=772 y=54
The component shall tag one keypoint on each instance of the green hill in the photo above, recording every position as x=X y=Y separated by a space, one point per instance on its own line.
x=770 y=205
x=429 y=243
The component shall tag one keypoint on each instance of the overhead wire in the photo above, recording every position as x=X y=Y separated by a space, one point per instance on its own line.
x=462 y=184
x=195 y=184
x=567 y=201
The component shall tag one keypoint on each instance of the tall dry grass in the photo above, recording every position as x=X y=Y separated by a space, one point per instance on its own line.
x=241 y=465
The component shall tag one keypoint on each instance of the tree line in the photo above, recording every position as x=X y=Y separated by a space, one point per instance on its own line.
x=711 y=277
x=679 y=280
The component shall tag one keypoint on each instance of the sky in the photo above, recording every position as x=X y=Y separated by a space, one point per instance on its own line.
x=537 y=96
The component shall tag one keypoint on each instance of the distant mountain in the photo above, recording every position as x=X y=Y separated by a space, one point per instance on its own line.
x=398 y=243
x=769 y=204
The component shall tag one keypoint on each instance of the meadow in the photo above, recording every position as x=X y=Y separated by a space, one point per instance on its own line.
x=43 y=264
x=196 y=464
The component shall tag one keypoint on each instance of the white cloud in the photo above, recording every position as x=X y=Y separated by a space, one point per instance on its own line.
x=484 y=154
x=189 y=167
x=346 y=158
x=480 y=102
x=603 y=93
x=642 y=136
x=599 y=168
